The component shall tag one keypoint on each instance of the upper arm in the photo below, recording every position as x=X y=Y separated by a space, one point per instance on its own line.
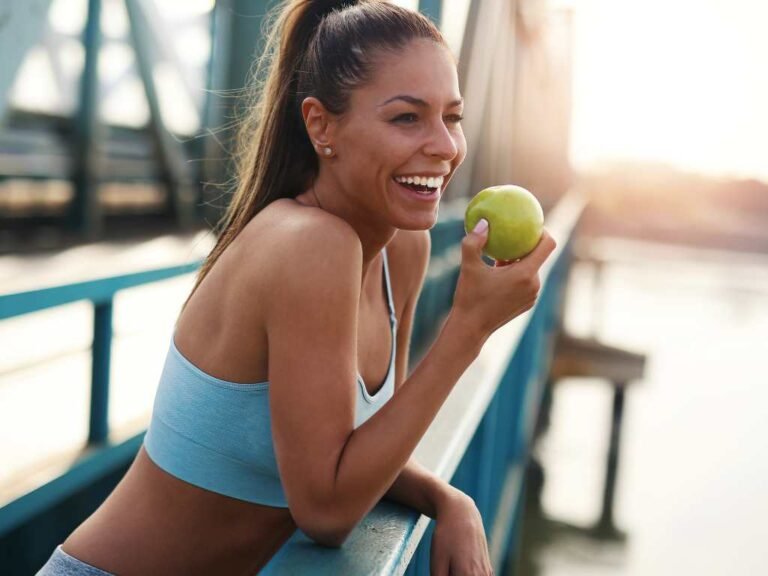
x=414 y=249
x=311 y=322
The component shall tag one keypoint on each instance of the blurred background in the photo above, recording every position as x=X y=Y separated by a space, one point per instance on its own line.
x=115 y=134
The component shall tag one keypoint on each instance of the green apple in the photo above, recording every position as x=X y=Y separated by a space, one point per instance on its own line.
x=515 y=220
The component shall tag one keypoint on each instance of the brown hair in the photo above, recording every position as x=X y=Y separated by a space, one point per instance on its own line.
x=320 y=48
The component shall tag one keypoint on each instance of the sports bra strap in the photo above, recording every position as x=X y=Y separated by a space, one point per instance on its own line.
x=390 y=300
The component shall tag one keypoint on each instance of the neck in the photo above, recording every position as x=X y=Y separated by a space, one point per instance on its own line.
x=373 y=233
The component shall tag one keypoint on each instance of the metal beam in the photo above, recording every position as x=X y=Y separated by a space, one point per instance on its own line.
x=209 y=143
x=172 y=156
x=38 y=147
x=165 y=48
x=236 y=43
x=85 y=214
x=22 y=24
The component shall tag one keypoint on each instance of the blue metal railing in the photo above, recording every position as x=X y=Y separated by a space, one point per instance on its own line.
x=101 y=292
x=100 y=458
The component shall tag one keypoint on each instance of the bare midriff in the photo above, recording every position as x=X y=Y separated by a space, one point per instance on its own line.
x=154 y=523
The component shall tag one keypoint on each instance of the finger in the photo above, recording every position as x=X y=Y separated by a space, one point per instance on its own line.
x=473 y=242
x=541 y=252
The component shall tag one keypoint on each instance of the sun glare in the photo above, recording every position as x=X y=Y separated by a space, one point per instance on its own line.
x=674 y=82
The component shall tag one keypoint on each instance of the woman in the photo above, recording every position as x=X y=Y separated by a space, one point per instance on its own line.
x=262 y=423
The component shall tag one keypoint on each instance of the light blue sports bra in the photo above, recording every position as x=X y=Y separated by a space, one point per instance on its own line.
x=217 y=434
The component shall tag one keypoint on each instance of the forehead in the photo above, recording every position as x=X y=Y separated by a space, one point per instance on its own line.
x=422 y=69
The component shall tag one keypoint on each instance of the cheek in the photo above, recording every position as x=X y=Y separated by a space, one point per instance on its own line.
x=380 y=146
x=461 y=147
x=395 y=148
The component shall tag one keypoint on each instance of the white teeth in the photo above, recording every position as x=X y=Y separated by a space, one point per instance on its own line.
x=429 y=181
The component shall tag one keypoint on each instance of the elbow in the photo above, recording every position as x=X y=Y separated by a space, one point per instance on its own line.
x=327 y=538
x=323 y=527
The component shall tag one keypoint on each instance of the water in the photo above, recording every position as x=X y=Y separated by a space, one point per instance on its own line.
x=692 y=493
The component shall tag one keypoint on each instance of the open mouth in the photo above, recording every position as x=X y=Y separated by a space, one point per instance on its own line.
x=423 y=185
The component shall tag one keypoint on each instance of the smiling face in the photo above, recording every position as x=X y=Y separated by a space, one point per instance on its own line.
x=400 y=140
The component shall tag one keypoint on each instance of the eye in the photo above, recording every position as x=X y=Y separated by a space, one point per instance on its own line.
x=454 y=118
x=407 y=118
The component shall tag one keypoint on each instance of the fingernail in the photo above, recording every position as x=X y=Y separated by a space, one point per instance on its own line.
x=481 y=226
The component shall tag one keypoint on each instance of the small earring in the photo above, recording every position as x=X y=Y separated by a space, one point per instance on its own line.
x=327 y=151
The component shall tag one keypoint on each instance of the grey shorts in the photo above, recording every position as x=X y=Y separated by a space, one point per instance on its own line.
x=62 y=564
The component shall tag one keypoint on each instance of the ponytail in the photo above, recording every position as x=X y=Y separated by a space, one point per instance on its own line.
x=309 y=52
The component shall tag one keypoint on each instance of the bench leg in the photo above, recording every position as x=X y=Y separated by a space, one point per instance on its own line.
x=605 y=525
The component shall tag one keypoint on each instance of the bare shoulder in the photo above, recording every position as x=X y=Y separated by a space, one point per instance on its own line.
x=285 y=256
x=296 y=242
x=283 y=244
x=287 y=232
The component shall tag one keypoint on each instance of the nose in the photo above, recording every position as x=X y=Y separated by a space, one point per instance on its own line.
x=442 y=143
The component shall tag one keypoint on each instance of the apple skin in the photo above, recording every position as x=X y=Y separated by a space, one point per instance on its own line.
x=515 y=220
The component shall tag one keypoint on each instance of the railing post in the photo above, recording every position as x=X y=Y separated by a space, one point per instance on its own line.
x=102 y=347
x=605 y=524
x=85 y=212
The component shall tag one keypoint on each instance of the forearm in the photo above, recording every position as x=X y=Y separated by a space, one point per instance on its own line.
x=420 y=489
x=376 y=452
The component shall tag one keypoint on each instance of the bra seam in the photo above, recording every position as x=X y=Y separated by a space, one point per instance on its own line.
x=213 y=380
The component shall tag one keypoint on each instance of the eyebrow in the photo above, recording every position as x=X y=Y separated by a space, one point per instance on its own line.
x=418 y=101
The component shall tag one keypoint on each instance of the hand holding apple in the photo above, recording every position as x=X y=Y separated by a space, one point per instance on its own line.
x=488 y=297
x=515 y=219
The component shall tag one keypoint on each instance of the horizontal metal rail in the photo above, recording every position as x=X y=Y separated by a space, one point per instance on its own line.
x=102 y=457
x=99 y=291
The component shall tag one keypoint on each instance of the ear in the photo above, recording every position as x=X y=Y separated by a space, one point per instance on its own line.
x=318 y=121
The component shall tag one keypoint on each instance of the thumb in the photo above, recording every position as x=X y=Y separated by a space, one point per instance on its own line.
x=473 y=243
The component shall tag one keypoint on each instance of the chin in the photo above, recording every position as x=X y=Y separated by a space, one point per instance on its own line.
x=422 y=221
